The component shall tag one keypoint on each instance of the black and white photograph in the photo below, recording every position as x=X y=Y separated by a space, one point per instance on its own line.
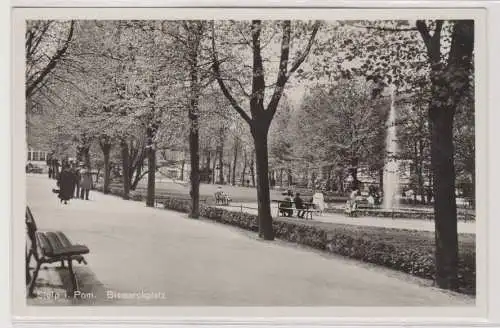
x=250 y=162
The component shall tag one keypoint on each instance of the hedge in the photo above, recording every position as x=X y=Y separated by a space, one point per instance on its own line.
x=418 y=215
x=408 y=251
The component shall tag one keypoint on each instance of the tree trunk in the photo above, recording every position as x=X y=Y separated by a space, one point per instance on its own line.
x=445 y=209
x=183 y=163
x=194 y=140
x=235 y=159
x=421 y=189
x=381 y=178
x=244 y=171
x=136 y=177
x=263 y=198
x=252 y=170
x=221 y=166
x=289 y=177
x=126 y=170
x=106 y=150
x=150 y=199
x=208 y=159
x=214 y=165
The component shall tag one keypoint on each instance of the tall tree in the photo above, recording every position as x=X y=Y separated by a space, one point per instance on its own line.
x=261 y=116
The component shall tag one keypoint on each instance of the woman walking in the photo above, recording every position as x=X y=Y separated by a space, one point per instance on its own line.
x=66 y=184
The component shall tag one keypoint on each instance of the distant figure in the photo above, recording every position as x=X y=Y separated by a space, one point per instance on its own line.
x=319 y=201
x=299 y=205
x=429 y=195
x=66 y=184
x=371 y=200
x=286 y=206
x=85 y=183
x=50 y=172
x=351 y=205
x=78 y=179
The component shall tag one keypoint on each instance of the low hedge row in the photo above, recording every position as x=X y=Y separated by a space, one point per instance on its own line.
x=461 y=216
x=408 y=251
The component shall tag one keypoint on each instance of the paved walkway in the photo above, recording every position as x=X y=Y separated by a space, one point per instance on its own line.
x=147 y=256
x=412 y=224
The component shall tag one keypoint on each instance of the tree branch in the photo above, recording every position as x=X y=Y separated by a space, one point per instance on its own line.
x=53 y=62
x=283 y=74
x=306 y=51
x=385 y=29
x=225 y=91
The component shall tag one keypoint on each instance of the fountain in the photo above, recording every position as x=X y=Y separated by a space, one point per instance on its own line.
x=391 y=169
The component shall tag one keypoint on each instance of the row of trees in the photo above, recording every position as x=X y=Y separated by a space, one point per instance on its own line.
x=139 y=86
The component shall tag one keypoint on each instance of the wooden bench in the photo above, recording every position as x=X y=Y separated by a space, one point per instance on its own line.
x=308 y=210
x=49 y=247
x=221 y=198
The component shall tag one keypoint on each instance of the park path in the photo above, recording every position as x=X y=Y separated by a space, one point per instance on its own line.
x=371 y=221
x=168 y=259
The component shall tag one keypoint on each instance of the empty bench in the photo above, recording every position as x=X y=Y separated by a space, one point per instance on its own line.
x=49 y=247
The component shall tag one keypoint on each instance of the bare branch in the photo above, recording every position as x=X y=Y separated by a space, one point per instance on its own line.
x=385 y=29
x=53 y=62
x=283 y=74
x=225 y=91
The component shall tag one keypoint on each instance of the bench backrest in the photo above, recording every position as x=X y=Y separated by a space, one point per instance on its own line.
x=31 y=226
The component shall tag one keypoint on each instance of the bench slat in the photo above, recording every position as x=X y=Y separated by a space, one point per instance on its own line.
x=64 y=240
x=54 y=240
x=44 y=243
x=53 y=246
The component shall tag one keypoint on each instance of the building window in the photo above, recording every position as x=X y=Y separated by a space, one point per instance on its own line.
x=36 y=156
x=42 y=156
x=29 y=155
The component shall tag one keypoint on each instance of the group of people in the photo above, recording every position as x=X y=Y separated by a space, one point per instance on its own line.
x=74 y=182
x=286 y=206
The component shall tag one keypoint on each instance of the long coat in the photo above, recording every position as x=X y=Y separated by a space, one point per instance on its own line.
x=66 y=184
x=86 y=181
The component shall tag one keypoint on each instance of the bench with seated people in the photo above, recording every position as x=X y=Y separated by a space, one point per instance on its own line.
x=49 y=247
x=221 y=198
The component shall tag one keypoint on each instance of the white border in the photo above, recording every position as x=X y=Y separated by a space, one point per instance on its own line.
x=483 y=176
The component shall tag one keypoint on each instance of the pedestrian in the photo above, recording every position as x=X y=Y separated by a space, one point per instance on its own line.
x=299 y=205
x=85 y=183
x=78 y=179
x=66 y=184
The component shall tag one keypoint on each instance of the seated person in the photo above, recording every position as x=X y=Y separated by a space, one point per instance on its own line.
x=285 y=207
x=319 y=201
x=299 y=204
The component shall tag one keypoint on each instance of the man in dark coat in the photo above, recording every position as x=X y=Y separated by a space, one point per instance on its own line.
x=299 y=204
x=66 y=184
